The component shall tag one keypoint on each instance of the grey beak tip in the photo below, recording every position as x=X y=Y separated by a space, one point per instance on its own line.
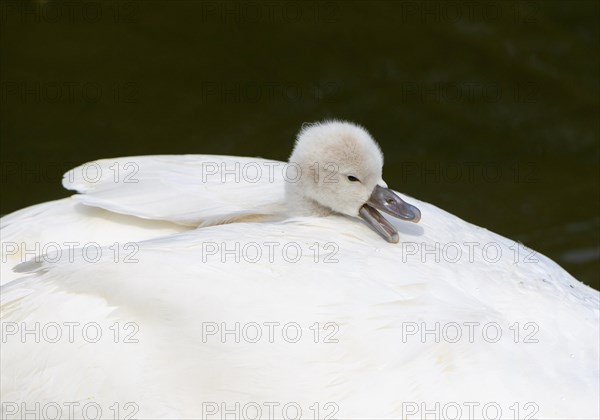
x=417 y=217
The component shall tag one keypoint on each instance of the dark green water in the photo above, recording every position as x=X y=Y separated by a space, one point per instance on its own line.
x=489 y=110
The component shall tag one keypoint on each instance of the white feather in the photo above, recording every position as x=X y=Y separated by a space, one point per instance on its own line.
x=348 y=282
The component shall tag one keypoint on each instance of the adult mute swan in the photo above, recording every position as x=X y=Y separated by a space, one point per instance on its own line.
x=223 y=287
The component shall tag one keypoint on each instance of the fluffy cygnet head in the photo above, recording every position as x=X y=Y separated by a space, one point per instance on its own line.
x=340 y=170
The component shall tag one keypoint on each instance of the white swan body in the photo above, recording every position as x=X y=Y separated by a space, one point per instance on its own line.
x=367 y=303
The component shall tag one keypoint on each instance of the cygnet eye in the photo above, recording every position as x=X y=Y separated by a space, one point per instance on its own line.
x=353 y=178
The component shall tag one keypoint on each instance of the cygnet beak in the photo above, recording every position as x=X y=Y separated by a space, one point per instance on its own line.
x=386 y=200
